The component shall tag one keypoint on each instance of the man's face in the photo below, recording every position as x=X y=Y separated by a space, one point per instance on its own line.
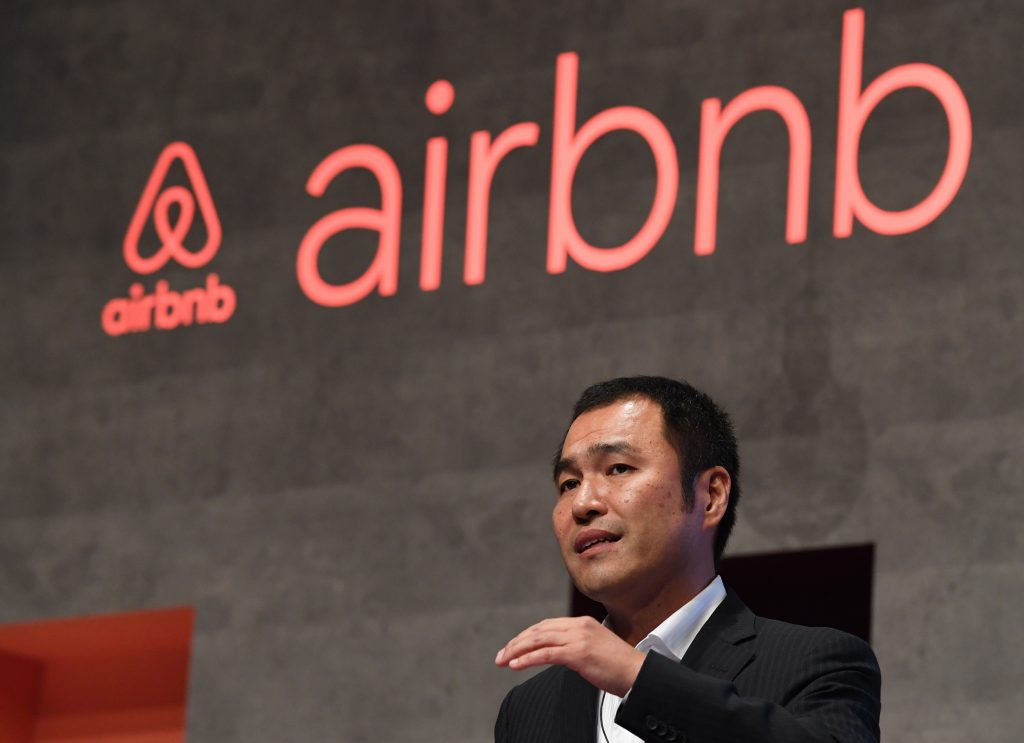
x=619 y=518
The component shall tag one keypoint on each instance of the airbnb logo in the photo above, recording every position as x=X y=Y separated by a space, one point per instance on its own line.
x=172 y=237
x=174 y=209
x=166 y=309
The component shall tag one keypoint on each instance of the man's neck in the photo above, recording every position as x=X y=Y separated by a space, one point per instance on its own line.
x=634 y=622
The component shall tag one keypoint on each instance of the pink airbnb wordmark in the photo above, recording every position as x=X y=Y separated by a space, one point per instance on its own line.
x=172 y=236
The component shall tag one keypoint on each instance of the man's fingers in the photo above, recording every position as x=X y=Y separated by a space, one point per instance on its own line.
x=530 y=640
x=578 y=643
x=556 y=631
x=539 y=657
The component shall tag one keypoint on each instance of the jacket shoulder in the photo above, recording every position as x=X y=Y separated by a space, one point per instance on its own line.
x=791 y=658
x=538 y=687
x=541 y=708
x=797 y=641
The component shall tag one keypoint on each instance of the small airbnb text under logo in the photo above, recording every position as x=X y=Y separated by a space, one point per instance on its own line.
x=173 y=210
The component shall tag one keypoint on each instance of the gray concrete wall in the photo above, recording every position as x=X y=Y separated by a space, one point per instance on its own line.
x=356 y=500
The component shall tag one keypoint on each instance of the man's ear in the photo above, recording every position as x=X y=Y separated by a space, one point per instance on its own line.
x=716 y=484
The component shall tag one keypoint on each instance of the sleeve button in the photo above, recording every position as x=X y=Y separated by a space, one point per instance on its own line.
x=651 y=722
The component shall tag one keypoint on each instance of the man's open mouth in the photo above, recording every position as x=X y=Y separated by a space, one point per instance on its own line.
x=590 y=538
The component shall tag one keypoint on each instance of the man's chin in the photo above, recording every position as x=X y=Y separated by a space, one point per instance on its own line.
x=598 y=587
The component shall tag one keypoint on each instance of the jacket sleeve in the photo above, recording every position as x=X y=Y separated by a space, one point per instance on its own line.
x=832 y=695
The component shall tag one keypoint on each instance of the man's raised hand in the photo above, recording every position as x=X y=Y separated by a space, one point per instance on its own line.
x=580 y=643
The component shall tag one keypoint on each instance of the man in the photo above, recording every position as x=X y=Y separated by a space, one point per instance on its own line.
x=647 y=488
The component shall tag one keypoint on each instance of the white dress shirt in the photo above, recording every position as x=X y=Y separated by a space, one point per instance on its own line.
x=672 y=639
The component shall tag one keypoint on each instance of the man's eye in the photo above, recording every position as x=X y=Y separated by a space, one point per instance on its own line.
x=619 y=469
x=567 y=485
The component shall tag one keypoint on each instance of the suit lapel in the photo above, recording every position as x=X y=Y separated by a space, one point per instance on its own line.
x=579 y=710
x=721 y=648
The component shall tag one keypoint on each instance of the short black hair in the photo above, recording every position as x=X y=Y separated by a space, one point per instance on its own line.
x=700 y=431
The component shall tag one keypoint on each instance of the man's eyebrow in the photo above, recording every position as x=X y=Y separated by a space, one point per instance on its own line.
x=610 y=447
x=602 y=447
x=562 y=465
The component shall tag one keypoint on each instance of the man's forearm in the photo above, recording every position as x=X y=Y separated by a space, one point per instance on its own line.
x=672 y=702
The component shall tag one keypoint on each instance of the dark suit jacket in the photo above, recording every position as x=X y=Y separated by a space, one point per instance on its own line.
x=744 y=679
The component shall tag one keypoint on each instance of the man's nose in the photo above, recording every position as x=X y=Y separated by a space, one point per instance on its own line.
x=588 y=502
